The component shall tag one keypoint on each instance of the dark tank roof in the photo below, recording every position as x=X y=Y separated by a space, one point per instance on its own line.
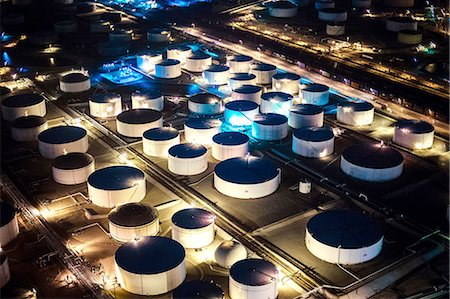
x=133 y=214
x=372 y=155
x=139 y=116
x=26 y=122
x=72 y=161
x=193 y=218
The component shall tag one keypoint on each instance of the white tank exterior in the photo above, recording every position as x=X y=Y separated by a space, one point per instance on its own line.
x=385 y=163
x=158 y=35
x=333 y=15
x=147 y=62
x=263 y=72
x=240 y=79
x=240 y=113
x=229 y=252
x=201 y=130
x=133 y=220
x=228 y=145
x=25 y=104
x=282 y=9
x=100 y=26
x=270 y=127
x=147 y=100
x=313 y=142
x=133 y=123
x=316 y=94
x=28 y=128
x=355 y=113
x=304 y=186
x=168 y=69
x=246 y=177
x=193 y=227
x=105 y=105
x=362 y=3
x=116 y=185
x=245 y=273
x=66 y=26
x=399 y=3
x=250 y=93
x=335 y=29
x=321 y=4
x=205 y=103
x=286 y=82
x=5 y=274
x=216 y=75
x=396 y=24
x=413 y=134
x=198 y=62
x=239 y=63
x=9 y=228
x=276 y=102
x=74 y=82
x=157 y=142
x=180 y=53
x=62 y=140
x=138 y=275
x=73 y=168
x=356 y=249
x=187 y=159
x=409 y=37
x=305 y=115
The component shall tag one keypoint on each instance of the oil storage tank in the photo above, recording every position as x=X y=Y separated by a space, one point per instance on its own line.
x=239 y=79
x=269 y=127
x=343 y=237
x=5 y=274
x=240 y=113
x=396 y=24
x=372 y=162
x=247 y=93
x=116 y=185
x=305 y=115
x=156 y=142
x=282 y=9
x=313 y=142
x=205 y=103
x=413 y=134
x=62 y=140
x=198 y=289
x=168 y=69
x=187 y=159
x=193 y=227
x=134 y=122
x=150 y=265
x=239 y=63
x=276 y=102
x=333 y=14
x=27 y=128
x=149 y=99
x=246 y=177
x=355 y=113
x=253 y=279
x=197 y=62
x=133 y=220
x=73 y=168
x=75 y=81
x=9 y=226
x=228 y=145
x=105 y=105
x=180 y=53
x=286 y=82
x=216 y=74
x=263 y=72
x=229 y=252
x=23 y=104
x=201 y=130
x=316 y=94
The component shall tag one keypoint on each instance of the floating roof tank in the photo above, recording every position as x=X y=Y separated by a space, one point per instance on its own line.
x=158 y=141
x=149 y=99
x=238 y=79
x=73 y=168
x=168 y=69
x=313 y=142
x=228 y=145
x=239 y=63
x=62 y=140
x=187 y=159
x=197 y=62
x=74 y=82
x=263 y=72
x=205 y=103
x=134 y=122
x=413 y=134
x=333 y=14
x=247 y=93
x=276 y=102
x=305 y=115
x=286 y=82
x=240 y=113
x=216 y=74
x=179 y=52
x=355 y=113
x=9 y=226
x=27 y=128
x=316 y=94
x=282 y=9
x=270 y=127
x=193 y=227
x=23 y=104
x=5 y=274
x=105 y=105
x=201 y=129
x=198 y=289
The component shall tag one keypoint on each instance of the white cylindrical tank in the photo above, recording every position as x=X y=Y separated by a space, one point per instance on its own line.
x=282 y=9
x=313 y=142
x=158 y=35
x=74 y=82
x=321 y=4
x=396 y=24
x=43 y=38
x=399 y=3
x=133 y=220
x=65 y=26
x=113 y=186
x=73 y=168
x=372 y=162
x=250 y=93
x=240 y=113
x=9 y=226
x=355 y=113
x=156 y=142
x=409 y=37
x=5 y=274
x=134 y=122
x=305 y=115
x=216 y=74
x=121 y=35
x=149 y=99
x=205 y=103
x=105 y=105
x=253 y=279
x=100 y=26
x=147 y=62
x=138 y=273
x=263 y=72
x=362 y=3
x=246 y=177
x=316 y=94
x=193 y=227
x=198 y=289
x=413 y=134
x=304 y=186
x=180 y=53
x=239 y=63
x=23 y=104
x=198 y=62
x=201 y=130
x=276 y=102
x=239 y=79
x=333 y=15
x=27 y=128
x=187 y=159
x=62 y=140
x=229 y=252
x=343 y=237
x=168 y=69
x=270 y=127
x=286 y=82
x=335 y=29
x=228 y=145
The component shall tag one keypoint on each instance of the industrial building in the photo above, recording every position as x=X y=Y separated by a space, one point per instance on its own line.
x=149 y=99
x=62 y=140
x=229 y=252
x=27 y=128
x=270 y=127
x=200 y=130
x=263 y=72
x=134 y=122
x=313 y=142
x=105 y=105
x=276 y=102
x=343 y=237
x=23 y=104
x=216 y=74
x=74 y=81
x=413 y=134
x=228 y=145
x=316 y=94
x=205 y=103
x=73 y=168
x=9 y=225
x=247 y=93
x=193 y=227
x=286 y=82
x=240 y=113
x=156 y=142
x=355 y=113
x=305 y=115
x=187 y=159
x=198 y=289
x=246 y=177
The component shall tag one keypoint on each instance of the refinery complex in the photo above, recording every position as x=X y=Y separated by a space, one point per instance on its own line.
x=217 y=149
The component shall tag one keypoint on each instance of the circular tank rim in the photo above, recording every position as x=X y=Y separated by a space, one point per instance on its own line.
x=254 y=272
x=193 y=218
x=246 y=170
x=372 y=155
x=117 y=177
x=139 y=116
x=62 y=134
x=187 y=150
x=230 y=138
x=133 y=214
x=161 y=134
